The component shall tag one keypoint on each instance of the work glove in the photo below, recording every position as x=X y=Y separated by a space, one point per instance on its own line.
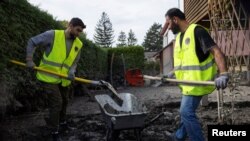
x=163 y=79
x=221 y=81
x=30 y=63
x=71 y=76
x=169 y=75
x=102 y=82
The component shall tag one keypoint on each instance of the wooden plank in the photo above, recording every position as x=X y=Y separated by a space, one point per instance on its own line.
x=193 y=8
x=196 y=12
x=198 y=15
x=202 y=14
x=188 y=7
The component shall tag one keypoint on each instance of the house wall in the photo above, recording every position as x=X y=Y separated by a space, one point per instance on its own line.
x=168 y=60
x=167 y=57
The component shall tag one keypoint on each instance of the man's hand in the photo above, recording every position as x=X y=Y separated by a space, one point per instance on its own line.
x=30 y=63
x=169 y=75
x=163 y=79
x=71 y=76
x=221 y=81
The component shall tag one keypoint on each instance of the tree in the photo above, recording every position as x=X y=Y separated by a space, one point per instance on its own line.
x=104 y=35
x=131 y=38
x=122 y=39
x=64 y=23
x=153 y=41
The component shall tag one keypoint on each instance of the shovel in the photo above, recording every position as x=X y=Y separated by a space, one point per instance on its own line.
x=114 y=95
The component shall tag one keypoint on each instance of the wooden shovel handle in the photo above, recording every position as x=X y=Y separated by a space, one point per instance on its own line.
x=181 y=81
x=57 y=74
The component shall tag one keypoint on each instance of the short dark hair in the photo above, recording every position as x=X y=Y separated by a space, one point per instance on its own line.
x=77 y=22
x=175 y=12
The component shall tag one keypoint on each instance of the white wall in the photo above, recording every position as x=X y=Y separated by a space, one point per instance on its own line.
x=167 y=60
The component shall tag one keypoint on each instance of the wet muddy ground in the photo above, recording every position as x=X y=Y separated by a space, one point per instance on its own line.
x=88 y=124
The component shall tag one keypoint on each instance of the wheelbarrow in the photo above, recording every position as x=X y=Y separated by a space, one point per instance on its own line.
x=131 y=115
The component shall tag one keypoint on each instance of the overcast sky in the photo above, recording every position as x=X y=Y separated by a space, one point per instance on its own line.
x=138 y=15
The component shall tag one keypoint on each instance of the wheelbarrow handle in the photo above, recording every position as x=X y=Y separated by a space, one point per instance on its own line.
x=180 y=81
x=157 y=117
x=57 y=74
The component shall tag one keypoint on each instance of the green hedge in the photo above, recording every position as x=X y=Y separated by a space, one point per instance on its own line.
x=151 y=68
x=93 y=62
x=132 y=56
x=19 y=21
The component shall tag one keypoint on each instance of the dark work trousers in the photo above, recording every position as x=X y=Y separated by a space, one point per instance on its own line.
x=58 y=98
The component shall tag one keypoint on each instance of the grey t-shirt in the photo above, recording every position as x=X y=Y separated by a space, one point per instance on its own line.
x=46 y=40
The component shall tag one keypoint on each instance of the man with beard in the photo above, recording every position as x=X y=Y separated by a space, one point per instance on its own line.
x=196 y=58
x=62 y=52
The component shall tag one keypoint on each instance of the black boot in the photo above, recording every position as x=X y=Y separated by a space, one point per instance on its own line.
x=56 y=136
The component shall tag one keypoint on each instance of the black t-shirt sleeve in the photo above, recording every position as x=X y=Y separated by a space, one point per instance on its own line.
x=205 y=40
x=204 y=43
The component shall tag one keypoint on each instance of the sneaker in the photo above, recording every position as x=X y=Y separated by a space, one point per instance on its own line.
x=170 y=136
x=55 y=136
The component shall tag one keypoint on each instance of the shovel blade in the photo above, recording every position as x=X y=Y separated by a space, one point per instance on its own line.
x=157 y=84
x=114 y=94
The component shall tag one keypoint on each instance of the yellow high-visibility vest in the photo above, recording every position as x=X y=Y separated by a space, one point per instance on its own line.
x=188 y=67
x=57 y=61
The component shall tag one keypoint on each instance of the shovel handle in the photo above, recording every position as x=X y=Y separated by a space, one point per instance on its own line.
x=181 y=81
x=57 y=74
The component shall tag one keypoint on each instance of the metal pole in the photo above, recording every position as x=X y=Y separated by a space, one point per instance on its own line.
x=124 y=70
x=218 y=106
x=111 y=68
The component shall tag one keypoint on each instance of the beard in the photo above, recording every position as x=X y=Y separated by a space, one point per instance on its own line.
x=72 y=36
x=176 y=28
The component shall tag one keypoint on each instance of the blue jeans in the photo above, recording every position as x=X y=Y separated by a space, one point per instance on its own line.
x=189 y=125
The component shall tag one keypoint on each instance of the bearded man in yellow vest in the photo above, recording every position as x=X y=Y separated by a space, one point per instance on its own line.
x=61 y=55
x=196 y=58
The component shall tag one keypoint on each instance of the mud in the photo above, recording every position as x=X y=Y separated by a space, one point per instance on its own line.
x=88 y=123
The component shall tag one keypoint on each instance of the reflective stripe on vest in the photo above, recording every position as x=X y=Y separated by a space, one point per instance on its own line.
x=188 y=67
x=57 y=62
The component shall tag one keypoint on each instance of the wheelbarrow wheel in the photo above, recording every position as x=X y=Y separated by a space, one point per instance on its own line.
x=112 y=135
x=138 y=134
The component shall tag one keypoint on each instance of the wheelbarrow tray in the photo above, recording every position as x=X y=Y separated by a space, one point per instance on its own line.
x=130 y=115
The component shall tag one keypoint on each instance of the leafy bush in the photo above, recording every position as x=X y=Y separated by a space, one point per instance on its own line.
x=151 y=68
x=132 y=57
x=20 y=21
x=93 y=62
